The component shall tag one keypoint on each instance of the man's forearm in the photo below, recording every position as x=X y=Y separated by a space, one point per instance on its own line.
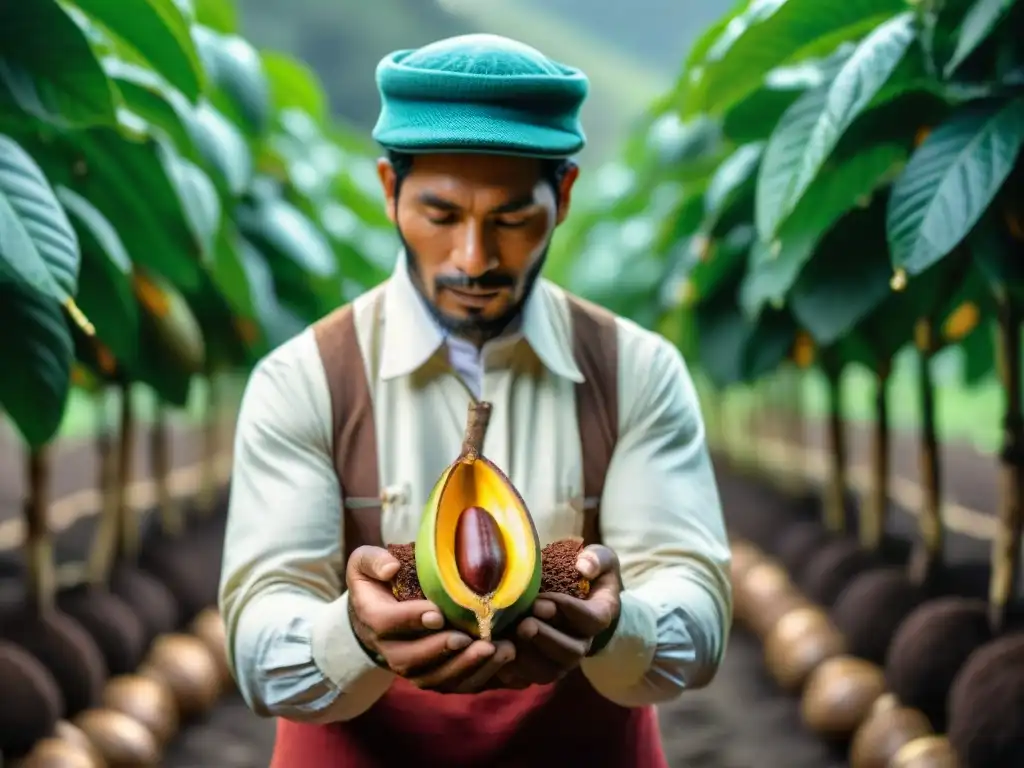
x=670 y=637
x=308 y=667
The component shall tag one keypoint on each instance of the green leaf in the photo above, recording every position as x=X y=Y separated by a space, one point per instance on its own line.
x=219 y=15
x=222 y=146
x=733 y=178
x=723 y=334
x=38 y=245
x=803 y=141
x=950 y=180
x=241 y=91
x=304 y=266
x=150 y=98
x=766 y=34
x=48 y=68
x=723 y=262
x=105 y=285
x=996 y=254
x=279 y=323
x=774 y=266
x=198 y=198
x=293 y=85
x=36 y=343
x=159 y=32
x=977 y=25
x=754 y=117
x=229 y=273
x=769 y=344
x=129 y=183
x=847 y=279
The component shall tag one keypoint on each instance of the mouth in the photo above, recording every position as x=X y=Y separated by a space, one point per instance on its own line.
x=475 y=299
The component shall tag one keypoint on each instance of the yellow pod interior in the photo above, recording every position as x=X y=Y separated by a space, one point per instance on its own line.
x=479 y=483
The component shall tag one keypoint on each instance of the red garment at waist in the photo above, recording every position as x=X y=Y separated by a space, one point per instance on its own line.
x=544 y=726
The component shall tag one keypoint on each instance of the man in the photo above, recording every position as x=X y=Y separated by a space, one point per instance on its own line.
x=344 y=429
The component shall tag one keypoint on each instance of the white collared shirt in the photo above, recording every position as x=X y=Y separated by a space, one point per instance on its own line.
x=290 y=642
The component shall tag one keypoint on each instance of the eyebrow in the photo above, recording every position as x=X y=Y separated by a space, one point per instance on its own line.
x=512 y=206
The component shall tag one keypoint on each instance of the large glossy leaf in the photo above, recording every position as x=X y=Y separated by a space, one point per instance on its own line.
x=223 y=148
x=723 y=334
x=159 y=32
x=293 y=85
x=219 y=15
x=300 y=258
x=976 y=26
x=37 y=351
x=38 y=245
x=105 y=284
x=49 y=70
x=753 y=118
x=774 y=266
x=229 y=275
x=733 y=178
x=129 y=183
x=768 y=33
x=199 y=200
x=804 y=140
x=950 y=180
x=279 y=323
x=241 y=91
x=848 y=277
x=150 y=98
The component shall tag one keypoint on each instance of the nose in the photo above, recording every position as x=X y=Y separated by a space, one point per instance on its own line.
x=472 y=255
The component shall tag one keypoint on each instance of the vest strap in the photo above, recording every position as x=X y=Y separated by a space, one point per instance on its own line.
x=595 y=347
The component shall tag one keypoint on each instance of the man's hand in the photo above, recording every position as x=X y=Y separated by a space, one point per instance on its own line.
x=562 y=630
x=409 y=636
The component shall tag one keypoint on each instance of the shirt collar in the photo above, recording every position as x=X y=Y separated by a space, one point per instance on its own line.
x=411 y=336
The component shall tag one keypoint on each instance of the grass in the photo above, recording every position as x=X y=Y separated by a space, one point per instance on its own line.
x=969 y=415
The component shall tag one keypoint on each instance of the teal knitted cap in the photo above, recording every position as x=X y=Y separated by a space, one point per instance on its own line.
x=479 y=93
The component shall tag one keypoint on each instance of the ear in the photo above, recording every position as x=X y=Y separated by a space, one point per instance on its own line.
x=565 y=191
x=388 y=182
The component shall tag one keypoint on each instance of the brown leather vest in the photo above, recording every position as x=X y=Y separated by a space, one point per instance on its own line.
x=595 y=347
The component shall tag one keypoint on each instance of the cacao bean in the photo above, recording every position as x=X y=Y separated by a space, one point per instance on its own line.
x=479 y=550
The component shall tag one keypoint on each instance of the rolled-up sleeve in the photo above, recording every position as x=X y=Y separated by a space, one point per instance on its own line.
x=290 y=643
x=661 y=514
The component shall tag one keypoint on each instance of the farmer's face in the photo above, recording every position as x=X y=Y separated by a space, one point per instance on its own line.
x=476 y=229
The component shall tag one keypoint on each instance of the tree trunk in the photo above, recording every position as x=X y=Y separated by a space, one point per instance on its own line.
x=172 y=521
x=1007 y=543
x=835 y=492
x=42 y=575
x=928 y=550
x=874 y=513
x=207 y=498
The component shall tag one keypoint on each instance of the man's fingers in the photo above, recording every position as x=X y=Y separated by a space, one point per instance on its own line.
x=407 y=657
x=457 y=667
x=583 y=618
x=563 y=650
x=597 y=560
x=371 y=563
x=504 y=652
x=393 y=618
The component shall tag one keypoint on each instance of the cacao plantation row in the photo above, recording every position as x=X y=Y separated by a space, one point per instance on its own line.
x=173 y=204
x=836 y=190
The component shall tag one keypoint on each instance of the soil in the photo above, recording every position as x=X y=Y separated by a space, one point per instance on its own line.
x=558 y=569
x=406 y=585
x=739 y=721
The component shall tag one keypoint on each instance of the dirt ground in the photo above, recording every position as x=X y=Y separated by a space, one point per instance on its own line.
x=739 y=721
